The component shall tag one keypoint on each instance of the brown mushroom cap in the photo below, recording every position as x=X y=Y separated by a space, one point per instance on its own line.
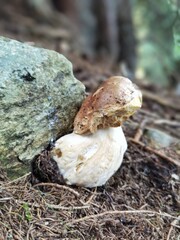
x=112 y=103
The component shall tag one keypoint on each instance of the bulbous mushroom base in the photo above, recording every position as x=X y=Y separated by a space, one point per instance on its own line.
x=90 y=160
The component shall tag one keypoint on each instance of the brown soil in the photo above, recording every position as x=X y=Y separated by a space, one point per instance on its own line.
x=141 y=201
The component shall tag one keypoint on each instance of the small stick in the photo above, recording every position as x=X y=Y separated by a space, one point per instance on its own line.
x=5 y=199
x=58 y=186
x=28 y=232
x=17 y=233
x=168 y=122
x=54 y=206
x=149 y=114
x=156 y=152
x=159 y=100
x=46 y=228
x=140 y=130
x=171 y=228
x=92 y=196
x=66 y=208
x=18 y=179
x=36 y=205
x=123 y=212
x=138 y=134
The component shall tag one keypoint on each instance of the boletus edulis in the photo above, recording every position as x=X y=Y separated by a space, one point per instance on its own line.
x=94 y=151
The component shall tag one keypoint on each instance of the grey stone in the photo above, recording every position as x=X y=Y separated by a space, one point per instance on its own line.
x=39 y=98
x=159 y=139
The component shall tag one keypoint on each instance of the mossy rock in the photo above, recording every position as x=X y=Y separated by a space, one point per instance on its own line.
x=39 y=98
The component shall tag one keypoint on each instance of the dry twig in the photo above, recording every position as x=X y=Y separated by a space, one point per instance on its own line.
x=171 y=228
x=123 y=212
x=148 y=113
x=19 y=179
x=58 y=186
x=160 y=100
x=65 y=208
x=168 y=122
x=156 y=152
x=140 y=130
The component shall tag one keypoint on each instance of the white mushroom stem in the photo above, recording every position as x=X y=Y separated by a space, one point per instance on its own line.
x=90 y=160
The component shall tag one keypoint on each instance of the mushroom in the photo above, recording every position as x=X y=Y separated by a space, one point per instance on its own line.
x=94 y=151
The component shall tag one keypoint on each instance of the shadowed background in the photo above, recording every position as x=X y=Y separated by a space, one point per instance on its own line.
x=139 y=38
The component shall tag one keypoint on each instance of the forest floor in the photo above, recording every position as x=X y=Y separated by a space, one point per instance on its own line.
x=141 y=201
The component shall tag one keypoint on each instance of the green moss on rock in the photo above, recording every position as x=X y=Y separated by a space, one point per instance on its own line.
x=39 y=98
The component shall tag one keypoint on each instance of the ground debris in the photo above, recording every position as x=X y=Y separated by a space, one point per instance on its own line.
x=141 y=201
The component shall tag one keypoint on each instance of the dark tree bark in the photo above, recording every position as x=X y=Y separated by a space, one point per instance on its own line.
x=126 y=35
x=105 y=27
